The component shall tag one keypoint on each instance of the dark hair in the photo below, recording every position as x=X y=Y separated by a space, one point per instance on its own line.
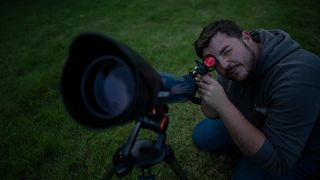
x=224 y=26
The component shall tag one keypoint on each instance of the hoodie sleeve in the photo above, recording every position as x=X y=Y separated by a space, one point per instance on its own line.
x=294 y=108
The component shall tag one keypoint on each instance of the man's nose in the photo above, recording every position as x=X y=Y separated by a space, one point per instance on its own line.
x=222 y=66
x=223 y=63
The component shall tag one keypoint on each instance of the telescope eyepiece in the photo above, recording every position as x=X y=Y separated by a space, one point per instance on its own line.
x=210 y=62
x=205 y=65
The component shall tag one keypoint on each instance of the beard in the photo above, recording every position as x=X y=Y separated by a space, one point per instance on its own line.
x=250 y=62
x=247 y=65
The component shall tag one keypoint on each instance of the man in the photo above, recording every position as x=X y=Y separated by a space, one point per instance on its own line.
x=265 y=102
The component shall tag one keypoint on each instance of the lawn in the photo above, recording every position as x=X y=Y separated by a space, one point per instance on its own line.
x=39 y=140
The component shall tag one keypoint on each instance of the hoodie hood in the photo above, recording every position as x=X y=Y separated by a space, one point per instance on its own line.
x=276 y=45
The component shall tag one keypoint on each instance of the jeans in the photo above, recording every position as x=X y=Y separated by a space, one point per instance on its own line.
x=211 y=135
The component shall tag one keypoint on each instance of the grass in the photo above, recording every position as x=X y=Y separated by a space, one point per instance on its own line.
x=38 y=138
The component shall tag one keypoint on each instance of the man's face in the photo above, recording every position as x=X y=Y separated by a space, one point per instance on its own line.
x=235 y=58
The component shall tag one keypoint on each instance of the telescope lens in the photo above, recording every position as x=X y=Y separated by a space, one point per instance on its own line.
x=112 y=87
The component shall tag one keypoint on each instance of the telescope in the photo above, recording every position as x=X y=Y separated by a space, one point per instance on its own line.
x=105 y=83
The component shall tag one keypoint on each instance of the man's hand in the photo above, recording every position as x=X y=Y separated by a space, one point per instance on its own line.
x=211 y=92
x=247 y=137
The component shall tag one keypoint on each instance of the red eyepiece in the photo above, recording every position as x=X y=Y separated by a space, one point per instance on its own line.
x=210 y=61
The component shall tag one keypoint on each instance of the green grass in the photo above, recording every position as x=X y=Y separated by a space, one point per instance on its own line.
x=38 y=138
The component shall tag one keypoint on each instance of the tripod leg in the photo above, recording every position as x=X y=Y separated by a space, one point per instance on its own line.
x=178 y=170
x=108 y=173
x=143 y=175
x=173 y=163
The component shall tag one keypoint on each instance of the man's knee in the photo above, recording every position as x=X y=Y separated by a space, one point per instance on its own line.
x=211 y=135
x=198 y=135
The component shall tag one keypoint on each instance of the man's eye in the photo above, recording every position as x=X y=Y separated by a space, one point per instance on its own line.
x=227 y=52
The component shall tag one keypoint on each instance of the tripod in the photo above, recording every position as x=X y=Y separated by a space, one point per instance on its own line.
x=145 y=153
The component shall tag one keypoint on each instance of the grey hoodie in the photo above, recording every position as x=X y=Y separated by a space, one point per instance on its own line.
x=281 y=97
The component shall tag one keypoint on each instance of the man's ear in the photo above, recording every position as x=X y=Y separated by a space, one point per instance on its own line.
x=246 y=37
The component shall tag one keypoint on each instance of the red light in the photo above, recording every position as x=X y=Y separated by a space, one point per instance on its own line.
x=164 y=123
x=209 y=61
